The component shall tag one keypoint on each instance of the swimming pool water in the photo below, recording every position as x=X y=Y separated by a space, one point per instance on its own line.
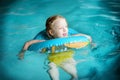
x=21 y=20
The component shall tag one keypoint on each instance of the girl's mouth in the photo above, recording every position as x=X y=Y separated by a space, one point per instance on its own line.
x=64 y=34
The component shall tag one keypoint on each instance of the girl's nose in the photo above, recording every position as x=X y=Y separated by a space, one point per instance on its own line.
x=64 y=29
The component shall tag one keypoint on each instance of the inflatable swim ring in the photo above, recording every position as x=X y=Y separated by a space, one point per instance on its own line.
x=52 y=44
x=71 y=42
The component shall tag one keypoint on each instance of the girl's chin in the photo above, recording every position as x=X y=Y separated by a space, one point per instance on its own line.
x=65 y=36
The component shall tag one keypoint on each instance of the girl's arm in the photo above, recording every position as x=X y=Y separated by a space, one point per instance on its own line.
x=25 y=47
x=84 y=35
x=27 y=44
x=93 y=45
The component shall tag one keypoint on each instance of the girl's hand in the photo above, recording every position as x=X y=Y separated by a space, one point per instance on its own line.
x=21 y=55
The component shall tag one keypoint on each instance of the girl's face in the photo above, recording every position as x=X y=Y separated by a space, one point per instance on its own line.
x=59 y=28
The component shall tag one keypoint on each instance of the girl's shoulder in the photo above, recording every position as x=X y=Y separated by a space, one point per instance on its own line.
x=72 y=31
x=41 y=35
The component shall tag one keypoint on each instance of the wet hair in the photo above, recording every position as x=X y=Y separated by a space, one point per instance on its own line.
x=49 y=22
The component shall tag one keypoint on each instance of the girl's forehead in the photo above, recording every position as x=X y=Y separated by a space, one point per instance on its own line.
x=60 y=22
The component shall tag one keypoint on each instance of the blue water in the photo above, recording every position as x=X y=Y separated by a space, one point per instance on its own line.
x=21 y=20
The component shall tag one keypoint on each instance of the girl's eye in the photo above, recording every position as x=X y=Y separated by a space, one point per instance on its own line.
x=60 y=28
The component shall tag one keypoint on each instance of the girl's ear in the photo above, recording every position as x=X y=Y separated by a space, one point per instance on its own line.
x=50 y=32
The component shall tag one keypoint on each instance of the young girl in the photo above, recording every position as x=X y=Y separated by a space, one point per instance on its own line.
x=56 y=27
